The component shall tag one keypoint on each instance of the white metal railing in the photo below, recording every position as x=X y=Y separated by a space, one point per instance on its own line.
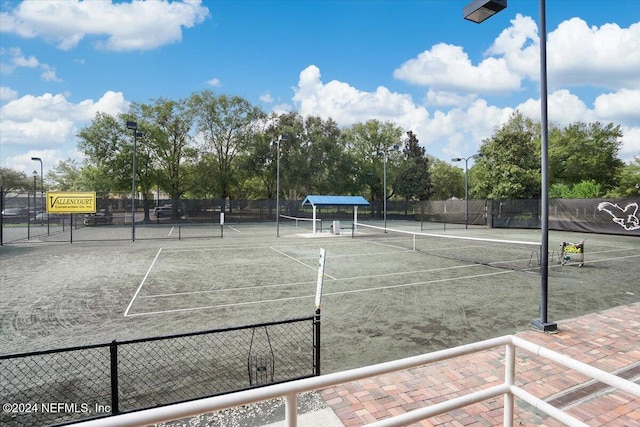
x=290 y=390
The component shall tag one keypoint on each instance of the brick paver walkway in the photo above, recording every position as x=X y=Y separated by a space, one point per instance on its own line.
x=609 y=340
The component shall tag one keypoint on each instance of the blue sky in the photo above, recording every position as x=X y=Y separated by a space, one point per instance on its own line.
x=415 y=63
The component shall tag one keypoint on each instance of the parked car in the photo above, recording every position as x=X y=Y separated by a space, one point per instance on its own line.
x=166 y=211
x=103 y=216
x=47 y=217
x=15 y=215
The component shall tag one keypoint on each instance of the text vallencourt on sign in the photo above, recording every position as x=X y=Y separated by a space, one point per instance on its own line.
x=71 y=202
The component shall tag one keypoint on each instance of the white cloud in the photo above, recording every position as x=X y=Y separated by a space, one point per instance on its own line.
x=622 y=107
x=51 y=120
x=448 y=68
x=348 y=105
x=266 y=97
x=630 y=143
x=16 y=60
x=606 y=56
x=7 y=94
x=23 y=162
x=563 y=108
x=214 y=82
x=127 y=26
x=443 y=98
x=49 y=74
x=519 y=46
x=452 y=132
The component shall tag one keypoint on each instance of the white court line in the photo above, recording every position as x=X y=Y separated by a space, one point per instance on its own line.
x=300 y=262
x=209 y=291
x=278 y=285
x=126 y=312
x=234 y=229
x=353 y=291
x=592 y=261
x=171 y=231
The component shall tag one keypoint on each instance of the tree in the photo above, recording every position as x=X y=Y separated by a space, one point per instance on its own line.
x=628 y=180
x=584 y=152
x=447 y=181
x=107 y=152
x=365 y=140
x=223 y=122
x=13 y=180
x=167 y=127
x=413 y=181
x=582 y=190
x=510 y=166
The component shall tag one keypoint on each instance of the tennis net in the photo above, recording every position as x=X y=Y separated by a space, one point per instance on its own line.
x=508 y=254
x=306 y=223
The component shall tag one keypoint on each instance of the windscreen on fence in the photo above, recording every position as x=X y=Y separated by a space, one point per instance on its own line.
x=63 y=385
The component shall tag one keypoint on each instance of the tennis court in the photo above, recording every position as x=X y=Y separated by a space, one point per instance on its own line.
x=382 y=299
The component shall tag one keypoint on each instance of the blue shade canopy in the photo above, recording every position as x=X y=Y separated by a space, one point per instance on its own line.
x=335 y=201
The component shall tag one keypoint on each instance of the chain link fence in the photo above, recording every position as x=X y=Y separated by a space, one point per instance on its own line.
x=73 y=384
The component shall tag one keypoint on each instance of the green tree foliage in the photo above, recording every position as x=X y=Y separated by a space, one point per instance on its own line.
x=168 y=126
x=365 y=140
x=412 y=181
x=12 y=180
x=583 y=190
x=447 y=181
x=582 y=152
x=224 y=124
x=219 y=146
x=510 y=168
x=628 y=180
x=108 y=149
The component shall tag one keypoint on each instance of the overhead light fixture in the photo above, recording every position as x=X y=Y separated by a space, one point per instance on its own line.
x=480 y=10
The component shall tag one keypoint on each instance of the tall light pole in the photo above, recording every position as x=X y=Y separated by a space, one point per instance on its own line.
x=477 y=11
x=35 y=189
x=277 y=143
x=38 y=159
x=134 y=127
x=383 y=153
x=466 y=184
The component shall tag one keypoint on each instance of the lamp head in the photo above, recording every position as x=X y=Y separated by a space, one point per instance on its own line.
x=132 y=125
x=37 y=159
x=480 y=10
x=457 y=159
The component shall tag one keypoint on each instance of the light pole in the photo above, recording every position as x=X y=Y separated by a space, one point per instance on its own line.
x=35 y=189
x=277 y=143
x=134 y=127
x=477 y=11
x=466 y=184
x=38 y=159
x=383 y=153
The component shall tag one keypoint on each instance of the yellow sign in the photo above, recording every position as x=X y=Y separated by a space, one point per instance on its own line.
x=71 y=202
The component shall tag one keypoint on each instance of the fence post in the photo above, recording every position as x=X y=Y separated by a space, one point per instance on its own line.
x=113 y=350
x=316 y=342
x=1 y=216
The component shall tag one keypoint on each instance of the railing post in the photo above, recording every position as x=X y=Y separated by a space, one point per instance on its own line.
x=113 y=350
x=291 y=410
x=509 y=379
x=316 y=342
